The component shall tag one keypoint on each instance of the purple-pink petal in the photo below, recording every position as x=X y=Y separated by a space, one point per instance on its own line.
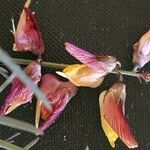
x=85 y=57
x=19 y=94
x=59 y=94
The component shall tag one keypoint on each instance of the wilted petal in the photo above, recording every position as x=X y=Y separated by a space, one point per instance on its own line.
x=59 y=94
x=81 y=75
x=102 y=64
x=27 y=35
x=141 y=54
x=19 y=94
x=113 y=119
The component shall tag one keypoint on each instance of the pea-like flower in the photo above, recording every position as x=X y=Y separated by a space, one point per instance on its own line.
x=27 y=35
x=141 y=54
x=93 y=70
x=112 y=111
x=59 y=94
x=20 y=94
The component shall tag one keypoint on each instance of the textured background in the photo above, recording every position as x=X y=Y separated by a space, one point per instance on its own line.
x=103 y=27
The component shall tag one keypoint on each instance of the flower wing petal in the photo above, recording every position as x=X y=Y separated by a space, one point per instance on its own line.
x=114 y=115
x=109 y=132
x=19 y=94
x=85 y=57
x=61 y=105
x=59 y=94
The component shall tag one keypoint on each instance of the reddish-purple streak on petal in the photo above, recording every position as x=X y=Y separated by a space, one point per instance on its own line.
x=59 y=94
x=19 y=94
x=85 y=57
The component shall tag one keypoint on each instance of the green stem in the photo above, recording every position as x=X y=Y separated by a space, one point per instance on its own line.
x=62 y=66
x=124 y=72
x=43 y=63
x=13 y=136
x=31 y=144
x=21 y=125
x=9 y=146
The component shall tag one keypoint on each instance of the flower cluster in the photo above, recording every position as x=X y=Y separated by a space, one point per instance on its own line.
x=112 y=102
x=28 y=38
x=90 y=73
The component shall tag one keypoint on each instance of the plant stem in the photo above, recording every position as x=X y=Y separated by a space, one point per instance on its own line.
x=62 y=66
x=43 y=63
x=12 y=137
x=21 y=125
x=31 y=144
x=7 y=82
x=9 y=146
x=124 y=72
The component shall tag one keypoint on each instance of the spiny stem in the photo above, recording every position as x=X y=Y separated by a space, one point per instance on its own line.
x=62 y=66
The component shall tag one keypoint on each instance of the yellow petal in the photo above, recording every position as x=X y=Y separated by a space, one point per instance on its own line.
x=109 y=132
x=81 y=75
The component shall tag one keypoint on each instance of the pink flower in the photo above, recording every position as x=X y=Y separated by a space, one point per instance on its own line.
x=93 y=70
x=103 y=64
x=19 y=94
x=27 y=35
x=112 y=110
x=59 y=94
x=141 y=54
